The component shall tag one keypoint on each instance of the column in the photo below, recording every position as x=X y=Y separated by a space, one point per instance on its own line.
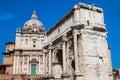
x=64 y=56
x=20 y=65
x=17 y=66
x=77 y=72
x=46 y=62
x=50 y=76
x=30 y=65
x=39 y=64
x=43 y=63
x=14 y=65
x=28 y=59
x=23 y=65
x=65 y=75
x=50 y=67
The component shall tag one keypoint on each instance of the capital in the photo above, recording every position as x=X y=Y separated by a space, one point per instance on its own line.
x=64 y=39
x=45 y=50
x=50 y=46
x=75 y=32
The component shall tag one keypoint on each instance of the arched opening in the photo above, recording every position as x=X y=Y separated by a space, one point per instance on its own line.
x=59 y=57
x=57 y=67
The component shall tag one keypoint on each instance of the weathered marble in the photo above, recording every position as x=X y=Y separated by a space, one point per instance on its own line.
x=75 y=48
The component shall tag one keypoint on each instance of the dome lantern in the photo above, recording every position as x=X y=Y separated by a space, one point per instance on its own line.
x=34 y=15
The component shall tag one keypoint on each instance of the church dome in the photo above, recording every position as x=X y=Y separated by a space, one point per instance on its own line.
x=33 y=24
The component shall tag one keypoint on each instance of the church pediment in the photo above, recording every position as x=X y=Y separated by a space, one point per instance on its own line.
x=33 y=61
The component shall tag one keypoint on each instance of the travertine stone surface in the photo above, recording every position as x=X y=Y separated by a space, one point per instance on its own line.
x=75 y=48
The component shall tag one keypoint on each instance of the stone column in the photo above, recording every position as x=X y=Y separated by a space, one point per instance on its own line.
x=77 y=72
x=14 y=65
x=20 y=65
x=50 y=76
x=64 y=56
x=39 y=63
x=43 y=63
x=23 y=64
x=17 y=65
x=50 y=61
x=30 y=64
x=65 y=75
x=46 y=62
x=28 y=59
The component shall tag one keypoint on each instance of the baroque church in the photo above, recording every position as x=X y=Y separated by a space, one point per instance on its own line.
x=75 y=48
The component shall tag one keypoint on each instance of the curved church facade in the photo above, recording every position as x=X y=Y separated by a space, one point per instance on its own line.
x=75 y=48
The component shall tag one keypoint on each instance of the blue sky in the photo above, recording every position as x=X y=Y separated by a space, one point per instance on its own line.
x=14 y=13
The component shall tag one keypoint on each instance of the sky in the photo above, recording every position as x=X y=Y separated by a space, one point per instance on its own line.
x=14 y=13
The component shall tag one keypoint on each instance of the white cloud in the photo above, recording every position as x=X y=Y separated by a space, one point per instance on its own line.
x=7 y=16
